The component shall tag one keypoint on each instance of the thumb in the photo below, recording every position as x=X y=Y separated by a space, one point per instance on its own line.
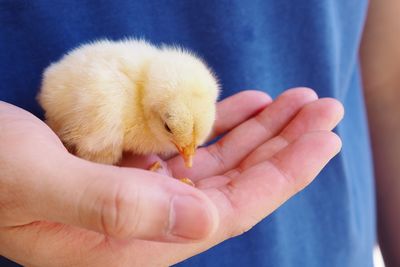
x=124 y=203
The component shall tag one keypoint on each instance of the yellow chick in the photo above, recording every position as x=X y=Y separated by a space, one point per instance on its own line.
x=107 y=97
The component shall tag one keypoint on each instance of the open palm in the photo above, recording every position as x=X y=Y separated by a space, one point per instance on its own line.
x=259 y=163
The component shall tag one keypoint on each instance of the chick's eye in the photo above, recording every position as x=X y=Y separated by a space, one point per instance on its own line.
x=167 y=128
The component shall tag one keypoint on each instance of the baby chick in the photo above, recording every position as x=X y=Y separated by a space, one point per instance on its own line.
x=106 y=97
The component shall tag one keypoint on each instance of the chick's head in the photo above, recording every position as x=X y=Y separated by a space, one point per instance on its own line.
x=179 y=101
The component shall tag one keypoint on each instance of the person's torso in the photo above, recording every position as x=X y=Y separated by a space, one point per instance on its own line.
x=267 y=45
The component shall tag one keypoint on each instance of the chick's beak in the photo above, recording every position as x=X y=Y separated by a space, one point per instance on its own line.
x=187 y=154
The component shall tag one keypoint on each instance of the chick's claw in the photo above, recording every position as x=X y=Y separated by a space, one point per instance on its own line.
x=155 y=166
x=187 y=181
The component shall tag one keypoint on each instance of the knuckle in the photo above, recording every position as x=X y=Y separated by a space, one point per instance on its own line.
x=292 y=184
x=118 y=212
x=216 y=152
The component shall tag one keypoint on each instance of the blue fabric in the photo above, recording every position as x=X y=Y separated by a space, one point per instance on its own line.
x=271 y=45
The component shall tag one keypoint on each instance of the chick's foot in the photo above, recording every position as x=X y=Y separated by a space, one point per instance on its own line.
x=156 y=166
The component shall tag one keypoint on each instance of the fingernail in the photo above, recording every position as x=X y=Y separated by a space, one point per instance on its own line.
x=189 y=218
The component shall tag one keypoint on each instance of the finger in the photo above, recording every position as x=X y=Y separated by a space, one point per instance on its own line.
x=259 y=190
x=243 y=105
x=321 y=115
x=234 y=147
x=123 y=203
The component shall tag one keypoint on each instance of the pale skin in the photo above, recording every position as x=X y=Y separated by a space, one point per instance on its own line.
x=380 y=61
x=64 y=211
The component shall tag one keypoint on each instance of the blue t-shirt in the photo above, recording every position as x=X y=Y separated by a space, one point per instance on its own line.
x=267 y=44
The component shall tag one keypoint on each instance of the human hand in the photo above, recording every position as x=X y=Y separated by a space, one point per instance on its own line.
x=48 y=204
